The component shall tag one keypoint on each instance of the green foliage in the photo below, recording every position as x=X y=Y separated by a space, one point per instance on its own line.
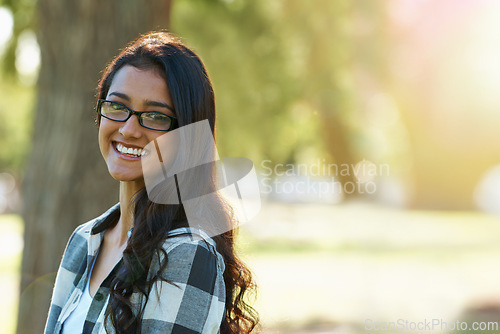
x=16 y=121
x=23 y=12
x=243 y=47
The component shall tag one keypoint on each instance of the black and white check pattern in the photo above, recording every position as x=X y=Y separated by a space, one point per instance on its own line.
x=194 y=303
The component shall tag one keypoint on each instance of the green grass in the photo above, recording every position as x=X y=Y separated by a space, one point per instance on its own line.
x=321 y=267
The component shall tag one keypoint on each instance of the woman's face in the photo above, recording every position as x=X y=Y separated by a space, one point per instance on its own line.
x=140 y=90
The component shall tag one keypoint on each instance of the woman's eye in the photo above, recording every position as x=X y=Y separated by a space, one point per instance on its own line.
x=156 y=117
x=116 y=106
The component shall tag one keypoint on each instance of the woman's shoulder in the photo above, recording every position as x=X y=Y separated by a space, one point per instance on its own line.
x=82 y=233
x=78 y=243
x=190 y=238
x=191 y=247
x=78 y=240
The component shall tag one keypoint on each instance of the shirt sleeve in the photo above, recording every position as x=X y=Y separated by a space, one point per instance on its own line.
x=194 y=300
x=74 y=254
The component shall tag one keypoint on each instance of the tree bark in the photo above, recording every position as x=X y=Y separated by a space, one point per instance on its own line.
x=66 y=182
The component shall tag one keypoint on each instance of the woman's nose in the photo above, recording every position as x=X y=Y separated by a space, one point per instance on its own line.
x=131 y=128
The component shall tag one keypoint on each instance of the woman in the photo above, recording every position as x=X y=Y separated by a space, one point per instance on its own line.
x=140 y=267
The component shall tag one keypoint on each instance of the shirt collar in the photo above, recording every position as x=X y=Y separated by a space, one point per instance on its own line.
x=102 y=222
x=107 y=218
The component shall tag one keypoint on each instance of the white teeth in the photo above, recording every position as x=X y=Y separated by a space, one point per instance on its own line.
x=130 y=151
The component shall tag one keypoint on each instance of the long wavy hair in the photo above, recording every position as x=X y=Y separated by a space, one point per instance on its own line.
x=193 y=100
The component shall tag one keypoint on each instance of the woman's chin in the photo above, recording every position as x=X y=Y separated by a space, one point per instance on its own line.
x=126 y=177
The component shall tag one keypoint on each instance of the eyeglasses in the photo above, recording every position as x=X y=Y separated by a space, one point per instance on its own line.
x=153 y=120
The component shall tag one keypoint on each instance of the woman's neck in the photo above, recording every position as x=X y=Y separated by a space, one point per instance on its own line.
x=127 y=191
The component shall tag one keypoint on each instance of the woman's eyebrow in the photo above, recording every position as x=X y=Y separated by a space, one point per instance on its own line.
x=158 y=104
x=121 y=95
x=146 y=102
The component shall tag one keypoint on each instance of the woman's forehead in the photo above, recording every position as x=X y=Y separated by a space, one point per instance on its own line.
x=134 y=84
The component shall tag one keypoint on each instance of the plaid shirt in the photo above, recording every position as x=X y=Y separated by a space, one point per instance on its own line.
x=195 y=303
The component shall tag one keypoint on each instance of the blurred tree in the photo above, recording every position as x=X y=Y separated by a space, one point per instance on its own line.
x=322 y=38
x=66 y=182
x=340 y=47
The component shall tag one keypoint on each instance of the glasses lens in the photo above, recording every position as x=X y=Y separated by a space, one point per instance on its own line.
x=156 y=120
x=114 y=111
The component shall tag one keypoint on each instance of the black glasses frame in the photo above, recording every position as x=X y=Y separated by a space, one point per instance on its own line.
x=173 y=125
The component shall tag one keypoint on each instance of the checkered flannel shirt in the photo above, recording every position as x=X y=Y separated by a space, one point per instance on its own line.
x=195 y=304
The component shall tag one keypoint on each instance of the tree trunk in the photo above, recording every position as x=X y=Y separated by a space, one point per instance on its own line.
x=66 y=182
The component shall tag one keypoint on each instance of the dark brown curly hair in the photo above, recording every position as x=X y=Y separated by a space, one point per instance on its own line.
x=193 y=100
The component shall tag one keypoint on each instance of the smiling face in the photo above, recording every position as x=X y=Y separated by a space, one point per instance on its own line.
x=141 y=90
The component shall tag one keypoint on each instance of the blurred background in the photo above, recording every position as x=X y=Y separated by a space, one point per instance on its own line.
x=373 y=126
